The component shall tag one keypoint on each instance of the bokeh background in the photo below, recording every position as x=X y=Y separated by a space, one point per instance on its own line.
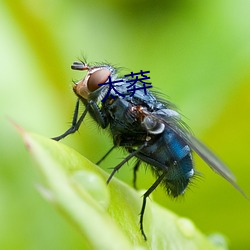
x=198 y=54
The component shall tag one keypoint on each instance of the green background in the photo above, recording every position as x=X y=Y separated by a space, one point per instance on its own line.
x=198 y=54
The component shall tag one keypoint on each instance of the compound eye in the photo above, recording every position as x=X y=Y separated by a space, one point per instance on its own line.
x=98 y=77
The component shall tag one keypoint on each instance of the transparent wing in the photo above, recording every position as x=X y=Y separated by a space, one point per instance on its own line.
x=175 y=124
x=207 y=155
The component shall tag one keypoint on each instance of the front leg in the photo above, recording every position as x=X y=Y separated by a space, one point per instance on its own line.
x=75 y=124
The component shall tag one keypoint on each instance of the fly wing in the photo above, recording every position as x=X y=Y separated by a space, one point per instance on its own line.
x=207 y=155
x=174 y=123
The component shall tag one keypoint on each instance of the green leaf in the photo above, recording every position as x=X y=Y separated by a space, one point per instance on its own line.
x=107 y=215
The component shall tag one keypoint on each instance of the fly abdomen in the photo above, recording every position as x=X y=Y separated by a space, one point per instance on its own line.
x=180 y=166
x=177 y=147
x=178 y=176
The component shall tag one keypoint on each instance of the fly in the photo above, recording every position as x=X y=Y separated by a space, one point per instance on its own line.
x=149 y=128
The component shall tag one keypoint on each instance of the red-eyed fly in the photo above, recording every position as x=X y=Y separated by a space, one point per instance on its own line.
x=149 y=128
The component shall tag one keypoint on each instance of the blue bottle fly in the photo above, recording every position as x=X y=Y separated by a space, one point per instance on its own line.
x=148 y=127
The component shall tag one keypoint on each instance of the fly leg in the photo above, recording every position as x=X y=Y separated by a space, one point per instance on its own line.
x=136 y=167
x=75 y=124
x=94 y=109
x=125 y=160
x=145 y=196
x=105 y=155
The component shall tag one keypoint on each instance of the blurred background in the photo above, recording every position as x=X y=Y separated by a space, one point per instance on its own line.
x=198 y=54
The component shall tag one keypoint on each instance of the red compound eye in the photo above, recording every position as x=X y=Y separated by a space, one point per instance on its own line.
x=99 y=76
